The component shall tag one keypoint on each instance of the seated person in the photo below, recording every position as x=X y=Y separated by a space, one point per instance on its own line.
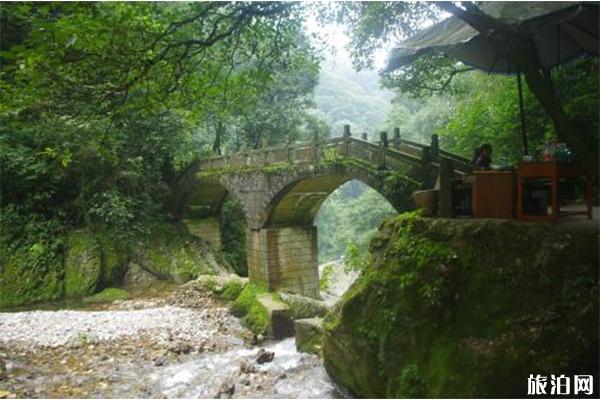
x=482 y=159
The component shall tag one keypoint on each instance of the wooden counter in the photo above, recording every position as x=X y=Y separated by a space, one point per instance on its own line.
x=494 y=194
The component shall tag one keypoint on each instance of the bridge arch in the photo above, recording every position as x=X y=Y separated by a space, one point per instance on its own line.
x=283 y=252
x=198 y=203
x=297 y=199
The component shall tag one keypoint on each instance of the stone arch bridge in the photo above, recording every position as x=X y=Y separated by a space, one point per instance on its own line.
x=282 y=188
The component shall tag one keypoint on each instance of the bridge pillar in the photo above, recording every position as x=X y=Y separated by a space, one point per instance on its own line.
x=284 y=259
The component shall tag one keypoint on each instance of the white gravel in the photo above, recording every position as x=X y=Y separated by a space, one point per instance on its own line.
x=59 y=328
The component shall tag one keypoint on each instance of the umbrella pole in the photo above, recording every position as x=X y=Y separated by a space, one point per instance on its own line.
x=522 y=112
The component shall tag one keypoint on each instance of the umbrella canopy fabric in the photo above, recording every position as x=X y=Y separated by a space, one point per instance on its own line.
x=561 y=31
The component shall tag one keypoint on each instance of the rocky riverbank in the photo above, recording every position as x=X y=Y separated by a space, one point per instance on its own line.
x=185 y=344
x=467 y=308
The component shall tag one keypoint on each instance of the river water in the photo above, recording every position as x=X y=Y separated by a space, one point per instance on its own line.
x=289 y=375
x=150 y=348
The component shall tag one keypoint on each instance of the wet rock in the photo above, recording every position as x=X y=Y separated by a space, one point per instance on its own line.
x=247 y=368
x=226 y=391
x=308 y=335
x=264 y=356
x=4 y=394
x=2 y=370
x=304 y=307
x=257 y=340
x=181 y=348
x=280 y=323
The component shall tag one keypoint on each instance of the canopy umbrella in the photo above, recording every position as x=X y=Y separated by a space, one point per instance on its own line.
x=560 y=31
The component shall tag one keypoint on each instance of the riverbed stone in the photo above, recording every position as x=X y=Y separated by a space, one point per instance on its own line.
x=264 y=356
x=309 y=332
x=304 y=307
x=280 y=321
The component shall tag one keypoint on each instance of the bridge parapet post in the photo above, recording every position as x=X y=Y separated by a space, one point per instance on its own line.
x=445 y=191
x=347 y=132
x=435 y=147
x=383 y=144
x=383 y=139
x=347 y=136
x=426 y=168
x=397 y=141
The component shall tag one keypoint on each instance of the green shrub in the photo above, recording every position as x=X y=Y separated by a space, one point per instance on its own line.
x=232 y=290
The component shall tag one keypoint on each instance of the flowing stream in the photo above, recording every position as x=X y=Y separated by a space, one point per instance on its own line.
x=150 y=348
x=289 y=375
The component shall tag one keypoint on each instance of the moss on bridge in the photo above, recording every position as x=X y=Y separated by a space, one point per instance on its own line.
x=454 y=308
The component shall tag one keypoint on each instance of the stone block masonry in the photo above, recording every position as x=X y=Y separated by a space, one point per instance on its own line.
x=285 y=259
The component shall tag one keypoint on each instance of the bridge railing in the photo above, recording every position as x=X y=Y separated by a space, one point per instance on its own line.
x=391 y=154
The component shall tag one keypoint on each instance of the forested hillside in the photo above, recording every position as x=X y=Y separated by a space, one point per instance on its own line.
x=345 y=96
x=350 y=216
x=104 y=104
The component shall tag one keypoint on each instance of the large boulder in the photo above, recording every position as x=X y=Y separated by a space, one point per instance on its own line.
x=467 y=308
x=83 y=264
x=173 y=253
x=115 y=257
x=302 y=306
x=29 y=274
x=137 y=276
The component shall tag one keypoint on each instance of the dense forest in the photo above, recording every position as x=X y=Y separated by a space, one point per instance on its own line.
x=104 y=104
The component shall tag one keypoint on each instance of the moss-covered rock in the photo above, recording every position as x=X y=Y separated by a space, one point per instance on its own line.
x=226 y=286
x=304 y=307
x=83 y=264
x=309 y=333
x=173 y=253
x=455 y=308
x=247 y=306
x=108 y=294
x=29 y=274
x=90 y=260
x=114 y=257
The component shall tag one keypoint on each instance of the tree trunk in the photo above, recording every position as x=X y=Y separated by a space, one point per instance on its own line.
x=219 y=130
x=566 y=130
x=522 y=52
